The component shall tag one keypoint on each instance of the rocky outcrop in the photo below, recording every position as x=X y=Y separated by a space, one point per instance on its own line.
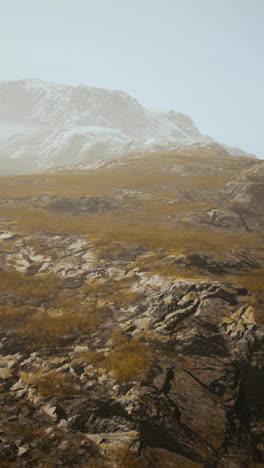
x=248 y=187
x=199 y=403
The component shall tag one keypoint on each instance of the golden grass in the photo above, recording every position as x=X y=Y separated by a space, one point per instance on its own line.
x=66 y=316
x=13 y=317
x=23 y=432
x=129 y=360
x=161 y=458
x=28 y=286
x=253 y=282
x=128 y=365
x=117 y=292
x=50 y=383
x=150 y=231
x=48 y=329
x=95 y=358
x=159 y=236
x=210 y=181
x=154 y=265
x=163 y=208
x=258 y=313
x=95 y=182
x=122 y=457
x=147 y=224
x=147 y=172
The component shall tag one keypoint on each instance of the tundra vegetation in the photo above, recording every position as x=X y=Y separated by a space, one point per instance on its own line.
x=87 y=302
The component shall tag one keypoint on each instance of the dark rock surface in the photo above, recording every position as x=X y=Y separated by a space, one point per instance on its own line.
x=202 y=398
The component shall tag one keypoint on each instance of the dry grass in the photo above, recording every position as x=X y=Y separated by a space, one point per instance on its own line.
x=122 y=457
x=163 y=208
x=48 y=329
x=117 y=293
x=259 y=314
x=28 y=286
x=128 y=365
x=161 y=458
x=253 y=282
x=23 y=432
x=66 y=315
x=198 y=182
x=155 y=264
x=51 y=383
x=95 y=358
x=129 y=360
x=150 y=172
x=143 y=228
x=147 y=224
x=13 y=317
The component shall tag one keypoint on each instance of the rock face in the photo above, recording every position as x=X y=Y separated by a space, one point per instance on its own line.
x=83 y=204
x=248 y=187
x=46 y=125
x=199 y=402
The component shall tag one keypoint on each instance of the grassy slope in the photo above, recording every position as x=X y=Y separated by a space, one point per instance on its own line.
x=170 y=190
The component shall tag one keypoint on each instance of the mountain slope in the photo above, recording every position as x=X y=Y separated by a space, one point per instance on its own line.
x=132 y=315
x=45 y=125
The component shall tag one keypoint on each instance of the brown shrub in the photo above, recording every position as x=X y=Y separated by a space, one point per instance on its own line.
x=51 y=383
x=128 y=366
x=96 y=358
x=12 y=317
x=121 y=456
x=129 y=359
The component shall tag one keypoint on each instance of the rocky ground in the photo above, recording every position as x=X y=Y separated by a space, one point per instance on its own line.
x=125 y=352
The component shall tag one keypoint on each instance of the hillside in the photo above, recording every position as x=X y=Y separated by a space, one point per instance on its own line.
x=132 y=323
x=45 y=126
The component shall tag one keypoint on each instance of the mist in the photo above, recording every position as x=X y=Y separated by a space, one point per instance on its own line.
x=202 y=58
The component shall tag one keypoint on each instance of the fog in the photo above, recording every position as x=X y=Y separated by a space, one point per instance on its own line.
x=203 y=58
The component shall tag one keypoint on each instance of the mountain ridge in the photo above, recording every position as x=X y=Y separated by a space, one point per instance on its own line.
x=45 y=125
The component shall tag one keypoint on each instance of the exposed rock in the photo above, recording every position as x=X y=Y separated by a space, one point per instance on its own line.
x=248 y=187
x=148 y=353
x=200 y=384
x=83 y=204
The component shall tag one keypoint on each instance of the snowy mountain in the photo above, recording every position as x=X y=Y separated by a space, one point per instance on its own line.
x=45 y=125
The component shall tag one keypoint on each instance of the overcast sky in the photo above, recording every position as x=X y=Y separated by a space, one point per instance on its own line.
x=201 y=57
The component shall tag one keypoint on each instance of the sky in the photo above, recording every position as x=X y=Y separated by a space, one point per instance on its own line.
x=201 y=57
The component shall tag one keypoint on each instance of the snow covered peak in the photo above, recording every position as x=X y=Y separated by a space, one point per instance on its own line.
x=38 y=102
x=43 y=125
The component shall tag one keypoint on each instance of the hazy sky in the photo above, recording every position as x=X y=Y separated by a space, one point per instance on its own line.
x=201 y=57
